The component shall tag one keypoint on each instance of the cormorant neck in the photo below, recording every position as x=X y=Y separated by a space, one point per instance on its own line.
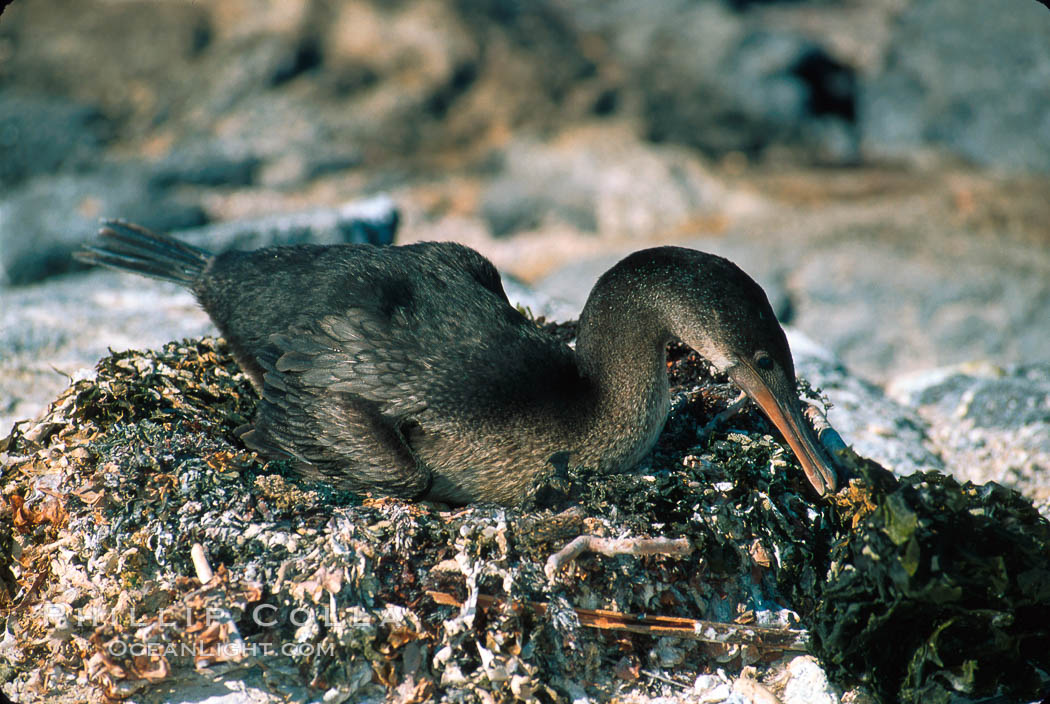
x=622 y=334
x=621 y=349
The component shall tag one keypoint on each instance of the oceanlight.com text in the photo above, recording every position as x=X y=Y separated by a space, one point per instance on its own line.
x=222 y=650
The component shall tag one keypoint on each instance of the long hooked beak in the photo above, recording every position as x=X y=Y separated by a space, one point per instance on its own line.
x=783 y=409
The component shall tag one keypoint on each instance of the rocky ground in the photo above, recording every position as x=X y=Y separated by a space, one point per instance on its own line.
x=880 y=167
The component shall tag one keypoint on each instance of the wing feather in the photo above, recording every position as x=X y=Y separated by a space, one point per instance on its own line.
x=339 y=408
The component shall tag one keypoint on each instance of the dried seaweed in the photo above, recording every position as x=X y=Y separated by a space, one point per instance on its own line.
x=112 y=502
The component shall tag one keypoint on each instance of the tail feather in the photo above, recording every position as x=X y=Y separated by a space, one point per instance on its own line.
x=129 y=247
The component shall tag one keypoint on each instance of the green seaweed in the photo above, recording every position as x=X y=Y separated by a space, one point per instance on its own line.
x=941 y=591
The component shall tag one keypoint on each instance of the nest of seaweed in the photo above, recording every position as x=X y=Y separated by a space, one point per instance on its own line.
x=141 y=541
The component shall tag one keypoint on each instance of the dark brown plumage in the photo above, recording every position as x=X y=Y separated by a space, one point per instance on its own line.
x=405 y=370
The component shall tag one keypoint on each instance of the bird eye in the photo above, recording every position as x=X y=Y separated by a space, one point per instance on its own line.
x=764 y=361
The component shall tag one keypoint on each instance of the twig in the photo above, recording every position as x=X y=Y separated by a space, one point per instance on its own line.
x=200 y=564
x=674 y=547
x=668 y=680
x=674 y=626
x=282 y=571
x=60 y=543
x=221 y=616
x=731 y=410
x=827 y=435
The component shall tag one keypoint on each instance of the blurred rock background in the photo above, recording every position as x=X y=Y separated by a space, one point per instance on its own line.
x=881 y=166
